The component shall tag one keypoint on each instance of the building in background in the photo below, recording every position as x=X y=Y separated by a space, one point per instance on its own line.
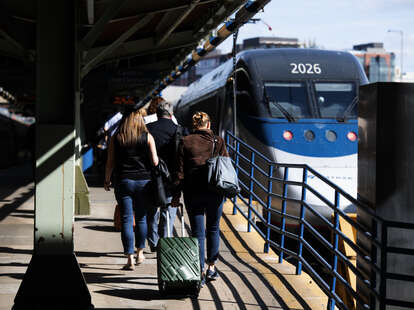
x=408 y=77
x=379 y=65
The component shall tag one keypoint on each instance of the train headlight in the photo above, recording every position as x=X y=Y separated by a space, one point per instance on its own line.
x=287 y=135
x=351 y=136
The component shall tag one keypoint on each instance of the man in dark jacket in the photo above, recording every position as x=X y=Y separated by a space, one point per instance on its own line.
x=163 y=130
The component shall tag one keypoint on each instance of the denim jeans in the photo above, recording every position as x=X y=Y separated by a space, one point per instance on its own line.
x=133 y=195
x=157 y=225
x=209 y=204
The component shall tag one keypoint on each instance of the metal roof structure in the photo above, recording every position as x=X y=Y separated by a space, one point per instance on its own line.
x=155 y=37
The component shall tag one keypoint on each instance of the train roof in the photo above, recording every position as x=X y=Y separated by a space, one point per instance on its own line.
x=208 y=83
x=275 y=64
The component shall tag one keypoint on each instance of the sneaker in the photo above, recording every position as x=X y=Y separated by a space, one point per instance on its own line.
x=212 y=275
x=203 y=282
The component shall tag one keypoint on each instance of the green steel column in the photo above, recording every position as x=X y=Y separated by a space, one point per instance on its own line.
x=55 y=116
x=53 y=279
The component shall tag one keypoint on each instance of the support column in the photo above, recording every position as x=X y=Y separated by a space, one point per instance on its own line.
x=53 y=278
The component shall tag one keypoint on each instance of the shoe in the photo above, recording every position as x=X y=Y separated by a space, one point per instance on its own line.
x=153 y=249
x=212 y=275
x=203 y=282
x=128 y=267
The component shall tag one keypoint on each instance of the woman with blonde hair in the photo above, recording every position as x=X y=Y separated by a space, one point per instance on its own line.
x=201 y=203
x=131 y=155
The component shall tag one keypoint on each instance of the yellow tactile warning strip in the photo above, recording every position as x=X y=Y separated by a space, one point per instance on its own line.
x=248 y=246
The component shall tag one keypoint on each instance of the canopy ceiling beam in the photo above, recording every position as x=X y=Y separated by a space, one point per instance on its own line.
x=147 y=46
x=9 y=50
x=166 y=33
x=99 y=27
x=15 y=48
x=120 y=19
x=169 y=9
x=111 y=48
x=90 y=9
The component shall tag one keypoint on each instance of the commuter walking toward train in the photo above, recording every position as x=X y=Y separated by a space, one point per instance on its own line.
x=202 y=204
x=131 y=154
x=151 y=111
x=164 y=131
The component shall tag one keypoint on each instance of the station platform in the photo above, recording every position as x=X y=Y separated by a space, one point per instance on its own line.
x=249 y=278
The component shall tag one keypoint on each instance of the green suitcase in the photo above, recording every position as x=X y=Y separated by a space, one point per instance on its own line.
x=178 y=264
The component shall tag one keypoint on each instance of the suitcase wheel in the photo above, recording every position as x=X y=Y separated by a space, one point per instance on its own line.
x=162 y=287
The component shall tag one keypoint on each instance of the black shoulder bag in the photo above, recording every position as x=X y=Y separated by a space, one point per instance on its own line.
x=159 y=176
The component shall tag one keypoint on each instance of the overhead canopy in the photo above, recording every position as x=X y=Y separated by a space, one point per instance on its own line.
x=152 y=37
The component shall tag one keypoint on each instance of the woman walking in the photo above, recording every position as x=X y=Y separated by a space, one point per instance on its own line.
x=131 y=154
x=201 y=203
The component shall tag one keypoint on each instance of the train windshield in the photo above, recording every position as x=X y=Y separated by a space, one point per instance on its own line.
x=288 y=100
x=336 y=100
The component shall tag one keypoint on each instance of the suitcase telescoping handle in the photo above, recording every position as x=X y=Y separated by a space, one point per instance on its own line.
x=181 y=206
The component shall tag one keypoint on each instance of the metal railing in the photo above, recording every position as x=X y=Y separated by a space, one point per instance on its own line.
x=279 y=201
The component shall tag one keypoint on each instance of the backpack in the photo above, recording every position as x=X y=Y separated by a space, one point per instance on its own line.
x=179 y=134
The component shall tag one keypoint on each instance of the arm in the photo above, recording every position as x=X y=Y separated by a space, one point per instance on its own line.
x=153 y=150
x=222 y=148
x=110 y=163
x=179 y=176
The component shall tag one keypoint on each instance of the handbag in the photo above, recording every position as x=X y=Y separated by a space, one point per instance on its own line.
x=221 y=175
x=160 y=176
x=117 y=218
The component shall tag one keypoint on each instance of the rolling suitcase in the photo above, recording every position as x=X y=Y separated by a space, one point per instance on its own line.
x=178 y=263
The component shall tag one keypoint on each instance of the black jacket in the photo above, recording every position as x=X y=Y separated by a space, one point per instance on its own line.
x=163 y=131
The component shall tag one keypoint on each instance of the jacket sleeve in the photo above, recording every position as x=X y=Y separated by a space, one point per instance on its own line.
x=222 y=147
x=180 y=164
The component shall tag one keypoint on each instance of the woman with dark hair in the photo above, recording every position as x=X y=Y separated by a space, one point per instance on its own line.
x=201 y=203
x=131 y=154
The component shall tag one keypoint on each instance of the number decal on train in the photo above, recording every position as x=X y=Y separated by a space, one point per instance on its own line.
x=300 y=68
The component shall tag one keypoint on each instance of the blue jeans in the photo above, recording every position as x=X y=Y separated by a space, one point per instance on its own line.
x=133 y=195
x=210 y=204
x=157 y=225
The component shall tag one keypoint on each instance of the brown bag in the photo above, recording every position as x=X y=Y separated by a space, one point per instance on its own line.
x=117 y=219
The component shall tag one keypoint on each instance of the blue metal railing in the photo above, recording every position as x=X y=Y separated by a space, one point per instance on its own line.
x=284 y=200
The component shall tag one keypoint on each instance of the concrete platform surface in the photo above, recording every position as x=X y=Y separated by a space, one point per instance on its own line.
x=250 y=279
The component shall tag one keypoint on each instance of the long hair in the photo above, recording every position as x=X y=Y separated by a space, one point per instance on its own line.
x=152 y=108
x=131 y=129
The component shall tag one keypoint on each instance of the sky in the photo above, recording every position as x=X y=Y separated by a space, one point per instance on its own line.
x=338 y=25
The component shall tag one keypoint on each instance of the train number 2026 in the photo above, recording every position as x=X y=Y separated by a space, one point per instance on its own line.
x=300 y=68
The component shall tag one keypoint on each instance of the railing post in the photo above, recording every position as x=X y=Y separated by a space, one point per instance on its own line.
x=249 y=226
x=268 y=207
x=383 y=278
x=374 y=253
x=331 y=304
x=302 y=218
x=237 y=172
x=282 y=237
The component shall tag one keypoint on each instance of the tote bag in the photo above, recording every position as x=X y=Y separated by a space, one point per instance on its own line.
x=159 y=177
x=221 y=175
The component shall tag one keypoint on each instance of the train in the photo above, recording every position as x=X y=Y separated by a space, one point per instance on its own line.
x=293 y=105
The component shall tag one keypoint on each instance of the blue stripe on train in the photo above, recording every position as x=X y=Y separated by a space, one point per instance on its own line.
x=270 y=132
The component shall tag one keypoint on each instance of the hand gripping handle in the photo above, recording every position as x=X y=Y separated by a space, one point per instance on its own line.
x=182 y=220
